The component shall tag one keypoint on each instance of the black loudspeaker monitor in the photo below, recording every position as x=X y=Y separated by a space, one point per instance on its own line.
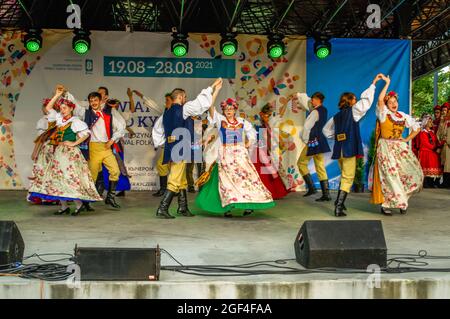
x=11 y=244
x=353 y=244
x=118 y=263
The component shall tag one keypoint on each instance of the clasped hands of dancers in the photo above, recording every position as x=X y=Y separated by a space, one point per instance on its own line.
x=230 y=180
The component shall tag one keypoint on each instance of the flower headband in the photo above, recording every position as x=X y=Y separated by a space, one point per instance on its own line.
x=229 y=104
x=389 y=95
x=58 y=103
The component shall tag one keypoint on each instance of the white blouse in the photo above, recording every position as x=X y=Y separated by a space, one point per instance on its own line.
x=158 y=133
x=42 y=125
x=410 y=122
x=77 y=126
x=249 y=130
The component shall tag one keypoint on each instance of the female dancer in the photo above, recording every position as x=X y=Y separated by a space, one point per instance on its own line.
x=66 y=176
x=262 y=157
x=397 y=172
x=232 y=182
x=429 y=157
x=43 y=150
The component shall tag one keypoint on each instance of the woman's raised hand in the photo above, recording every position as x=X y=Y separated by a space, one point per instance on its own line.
x=59 y=90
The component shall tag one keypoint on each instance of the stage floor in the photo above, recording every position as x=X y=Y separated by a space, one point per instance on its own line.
x=206 y=240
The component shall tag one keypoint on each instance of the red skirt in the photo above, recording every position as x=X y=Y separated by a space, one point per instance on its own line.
x=272 y=182
x=430 y=162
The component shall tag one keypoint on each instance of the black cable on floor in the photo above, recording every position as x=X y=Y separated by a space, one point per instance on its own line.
x=405 y=263
x=51 y=270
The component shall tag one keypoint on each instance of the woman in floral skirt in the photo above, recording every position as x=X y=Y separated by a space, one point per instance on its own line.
x=66 y=176
x=232 y=182
x=397 y=172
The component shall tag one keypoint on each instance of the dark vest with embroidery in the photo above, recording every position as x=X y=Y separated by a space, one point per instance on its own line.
x=173 y=119
x=91 y=118
x=347 y=135
x=317 y=142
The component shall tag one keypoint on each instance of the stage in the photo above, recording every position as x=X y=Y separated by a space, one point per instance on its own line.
x=206 y=240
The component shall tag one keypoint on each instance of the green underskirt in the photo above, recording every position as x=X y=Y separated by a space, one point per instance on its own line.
x=209 y=198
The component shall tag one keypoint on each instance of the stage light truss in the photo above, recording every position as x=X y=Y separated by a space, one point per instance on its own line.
x=416 y=19
x=431 y=56
x=136 y=15
x=10 y=12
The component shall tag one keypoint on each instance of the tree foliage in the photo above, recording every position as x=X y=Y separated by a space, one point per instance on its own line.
x=423 y=92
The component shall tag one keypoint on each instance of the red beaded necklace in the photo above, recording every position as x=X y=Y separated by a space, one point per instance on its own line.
x=66 y=118
x=233 y=123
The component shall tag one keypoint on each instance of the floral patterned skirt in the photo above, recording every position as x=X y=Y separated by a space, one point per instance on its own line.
x=234 y=184
x=400 y=173
x=66 y=176
x=44 y=157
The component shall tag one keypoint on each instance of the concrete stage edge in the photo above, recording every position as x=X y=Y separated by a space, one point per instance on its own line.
x=206 y=240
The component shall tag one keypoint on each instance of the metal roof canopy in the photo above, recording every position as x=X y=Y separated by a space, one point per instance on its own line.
x=426 y=22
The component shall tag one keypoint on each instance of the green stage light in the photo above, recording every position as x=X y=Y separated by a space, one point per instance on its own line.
x=228 y=44
x=229 y=49
x=322 y=48
x=275 y=46
x=275 y=51
x=33 y=40
x=81 y=43
x=179 y=45
x=33 y=45
x=179 y=50
x=81 y=47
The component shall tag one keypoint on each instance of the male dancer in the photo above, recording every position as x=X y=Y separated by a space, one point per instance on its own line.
x=343 y=127
x=111 y=107
x=166 y=131
x=316 y=146
x=107 y=130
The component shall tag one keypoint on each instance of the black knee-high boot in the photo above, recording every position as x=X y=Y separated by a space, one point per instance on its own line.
x=325 y=192
x=163 y=209
x=339 y=208
x=335 y=202
x=110 y=196
x=309 y=183
x=100 y=184
x=183 y=208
